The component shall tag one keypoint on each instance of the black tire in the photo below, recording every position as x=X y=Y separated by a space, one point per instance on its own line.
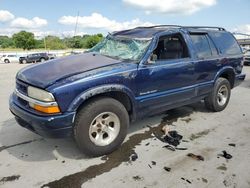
x=213 y=102
x=6 y=61
x=87 y=115
x=24 y=61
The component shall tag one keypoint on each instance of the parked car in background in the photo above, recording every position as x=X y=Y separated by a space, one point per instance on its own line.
x=131 y=74
x=10 y=58
x=34 y=58
x=247 y=57
x=51 y=56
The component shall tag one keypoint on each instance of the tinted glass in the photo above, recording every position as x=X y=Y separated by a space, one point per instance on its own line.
x=226 y=43
x=201 y=44
x=212 y=46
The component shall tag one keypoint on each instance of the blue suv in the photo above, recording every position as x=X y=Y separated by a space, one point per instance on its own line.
x=129 y=75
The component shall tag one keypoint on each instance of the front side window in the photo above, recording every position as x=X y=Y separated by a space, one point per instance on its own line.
x=122 y=48
x=171 y=47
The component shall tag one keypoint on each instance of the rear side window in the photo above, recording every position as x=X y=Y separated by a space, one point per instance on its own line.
x=202 y=45
x=226 y=43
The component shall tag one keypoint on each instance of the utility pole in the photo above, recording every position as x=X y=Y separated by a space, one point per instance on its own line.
x=44 y=40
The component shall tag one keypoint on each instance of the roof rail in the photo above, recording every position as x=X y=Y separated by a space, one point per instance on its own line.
x=156 y=26
x=204 y=27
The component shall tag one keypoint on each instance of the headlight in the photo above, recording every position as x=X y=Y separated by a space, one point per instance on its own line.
x=40 y=94
x=46 y=99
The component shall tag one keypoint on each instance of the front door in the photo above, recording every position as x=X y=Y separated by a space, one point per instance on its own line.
x=167 y=80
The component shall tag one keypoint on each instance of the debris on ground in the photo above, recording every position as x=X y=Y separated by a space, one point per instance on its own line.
x=153 y=162
x=186 y=180
x=225 y=155
x=196 y=157
x=171 y=148
x=232 y=144
x=199 y=134
x=10 y=178
x=147 y=144
x=149 y=166
x=165 y=129
x=137 y=178
x=167 y=169
x=104 y=158
x=134 y=156
x=173 y=138
x=222 y=167
x=181 y=148
x=187 y=120
x=204 y=180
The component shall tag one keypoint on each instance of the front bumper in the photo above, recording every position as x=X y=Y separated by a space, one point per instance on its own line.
x=56 y=126
x=239 y=79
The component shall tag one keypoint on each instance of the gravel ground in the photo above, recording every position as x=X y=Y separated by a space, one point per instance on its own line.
x=28 y=160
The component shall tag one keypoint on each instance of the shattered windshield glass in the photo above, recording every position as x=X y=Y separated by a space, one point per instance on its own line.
x=122 y=48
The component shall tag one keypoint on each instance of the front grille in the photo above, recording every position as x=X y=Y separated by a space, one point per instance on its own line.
x=21 y=87
x=22 y=102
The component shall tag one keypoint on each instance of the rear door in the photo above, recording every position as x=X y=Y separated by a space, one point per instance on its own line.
x=207 y=62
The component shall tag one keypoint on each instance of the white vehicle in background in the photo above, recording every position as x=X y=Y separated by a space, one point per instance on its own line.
x=10 y=58
x=247 y=57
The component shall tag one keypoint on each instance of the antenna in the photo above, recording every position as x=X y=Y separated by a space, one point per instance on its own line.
x=76 y=23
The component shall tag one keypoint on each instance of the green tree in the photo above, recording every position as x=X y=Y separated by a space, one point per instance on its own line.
x=39 y=43
x=6 y=42
x=74 y=42
x=24 y=40
x=93 y=40
x=54 y=43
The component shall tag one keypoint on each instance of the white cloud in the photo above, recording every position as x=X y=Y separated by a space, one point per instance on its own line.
x=6 y=16
x=25 y=23
x=98 y=21
x=172 y=7
x=39 y=34
x=242 y=29
x=61 y=34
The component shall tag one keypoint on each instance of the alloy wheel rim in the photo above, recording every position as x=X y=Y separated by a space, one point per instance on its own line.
x=222 y=95
x=104 y=128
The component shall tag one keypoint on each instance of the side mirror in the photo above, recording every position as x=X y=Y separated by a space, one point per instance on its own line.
x=152 y=59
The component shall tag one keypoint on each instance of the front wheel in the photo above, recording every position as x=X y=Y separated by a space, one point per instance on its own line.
x=101 y=126
x=219 y=98
x=24 y=61
x=6 y=61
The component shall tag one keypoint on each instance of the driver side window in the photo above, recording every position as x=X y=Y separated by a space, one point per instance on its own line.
x=171 y=47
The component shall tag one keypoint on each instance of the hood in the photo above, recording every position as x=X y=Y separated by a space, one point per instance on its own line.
x=45 y=74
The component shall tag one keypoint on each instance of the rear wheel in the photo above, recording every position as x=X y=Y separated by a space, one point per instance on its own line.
x=42 y=60
x=219 y=98
x=101 y=126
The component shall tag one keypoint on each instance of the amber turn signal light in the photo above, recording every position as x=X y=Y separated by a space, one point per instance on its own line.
x=47 y=109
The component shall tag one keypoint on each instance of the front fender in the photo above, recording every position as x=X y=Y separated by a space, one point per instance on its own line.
x=80 y=99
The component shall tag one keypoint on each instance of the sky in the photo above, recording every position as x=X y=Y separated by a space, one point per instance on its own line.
x=55 y=17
